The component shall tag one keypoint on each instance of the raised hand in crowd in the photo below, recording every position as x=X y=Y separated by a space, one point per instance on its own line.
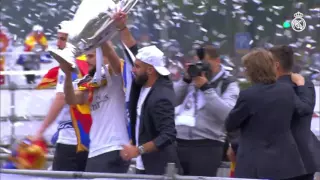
x=200 y=81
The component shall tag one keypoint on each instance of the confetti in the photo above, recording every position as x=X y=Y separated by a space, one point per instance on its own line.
x=186 y=21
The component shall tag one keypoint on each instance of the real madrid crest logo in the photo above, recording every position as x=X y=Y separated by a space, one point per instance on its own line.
x=298 y=24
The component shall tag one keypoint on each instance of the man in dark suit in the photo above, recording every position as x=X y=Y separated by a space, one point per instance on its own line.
x=308 y=144
x=151 y=110
x=263 y=114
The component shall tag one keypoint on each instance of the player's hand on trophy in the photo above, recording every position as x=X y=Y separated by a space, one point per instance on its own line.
x=120 y=19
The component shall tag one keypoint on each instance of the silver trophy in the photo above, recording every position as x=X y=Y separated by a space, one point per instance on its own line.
x=91 y=26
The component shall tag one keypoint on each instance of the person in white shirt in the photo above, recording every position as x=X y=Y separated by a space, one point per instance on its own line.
x=109 y=126
x=66 y=157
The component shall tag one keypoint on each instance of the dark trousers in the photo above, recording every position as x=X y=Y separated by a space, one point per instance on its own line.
x=200 y=157
x=30 y=77
x=110 y=162
x=138 y=171
x=66 y=158
x=303 y=177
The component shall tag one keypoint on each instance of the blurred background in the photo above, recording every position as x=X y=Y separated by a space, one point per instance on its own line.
x=176 y=26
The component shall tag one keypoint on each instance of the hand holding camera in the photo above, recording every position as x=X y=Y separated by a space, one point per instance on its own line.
x=199 y=81
x=197 y=72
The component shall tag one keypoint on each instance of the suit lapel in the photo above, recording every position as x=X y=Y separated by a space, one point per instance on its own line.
x=133 y=102
x=143 y=114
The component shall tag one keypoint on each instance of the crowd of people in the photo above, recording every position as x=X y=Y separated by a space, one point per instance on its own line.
x=194 y=123
x=34 y=52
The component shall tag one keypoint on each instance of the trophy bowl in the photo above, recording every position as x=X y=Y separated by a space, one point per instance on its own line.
x=92 y=25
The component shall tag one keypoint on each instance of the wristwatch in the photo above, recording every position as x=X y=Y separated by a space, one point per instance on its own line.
x=141 y=149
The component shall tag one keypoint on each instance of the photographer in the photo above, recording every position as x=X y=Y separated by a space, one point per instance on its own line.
x=206 y=95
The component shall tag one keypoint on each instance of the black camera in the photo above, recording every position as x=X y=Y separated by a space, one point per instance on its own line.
x=196 y=69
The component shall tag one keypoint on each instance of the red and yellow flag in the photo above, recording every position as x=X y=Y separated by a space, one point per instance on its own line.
x=31 y=41
x=4 y=43
x=50 y=79
x=232 y=168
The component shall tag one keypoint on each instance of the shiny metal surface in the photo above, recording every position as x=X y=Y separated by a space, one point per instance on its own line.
x=92 y=25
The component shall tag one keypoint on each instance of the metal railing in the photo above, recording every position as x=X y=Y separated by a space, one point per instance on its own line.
x=4 y=157
x=171 y=174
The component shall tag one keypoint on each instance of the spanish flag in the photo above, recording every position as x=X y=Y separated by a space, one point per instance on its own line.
x=50 y=79
x=31 y=41
x=81 y=116
x=82 y=65
x=81 y=121
x=232 y=168
x=4 y=42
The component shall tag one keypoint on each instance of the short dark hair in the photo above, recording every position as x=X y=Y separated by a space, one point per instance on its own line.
x=211 y=51
x=200 y=53
x=284 y=55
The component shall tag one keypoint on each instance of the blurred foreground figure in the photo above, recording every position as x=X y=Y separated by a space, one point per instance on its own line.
x=28 y=154
x=4 y=43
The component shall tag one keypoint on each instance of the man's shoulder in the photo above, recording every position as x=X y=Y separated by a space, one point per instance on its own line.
x=309 y=83
x=162 y=93
x=230 y=82
x=229 y=79
x=280 y=86
x=251 y=90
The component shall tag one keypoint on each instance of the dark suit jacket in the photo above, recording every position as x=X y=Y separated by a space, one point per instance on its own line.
x=267 y=148
x=308 y=144
x=156 y=124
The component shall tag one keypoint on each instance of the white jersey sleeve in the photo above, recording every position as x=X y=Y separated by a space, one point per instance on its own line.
x=60 y=81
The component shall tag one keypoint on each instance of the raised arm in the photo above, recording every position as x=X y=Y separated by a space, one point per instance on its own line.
x=72 y=97
x=114 y=60
x=125 y=34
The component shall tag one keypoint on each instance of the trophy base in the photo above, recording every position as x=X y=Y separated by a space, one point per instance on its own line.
x=63 y=56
